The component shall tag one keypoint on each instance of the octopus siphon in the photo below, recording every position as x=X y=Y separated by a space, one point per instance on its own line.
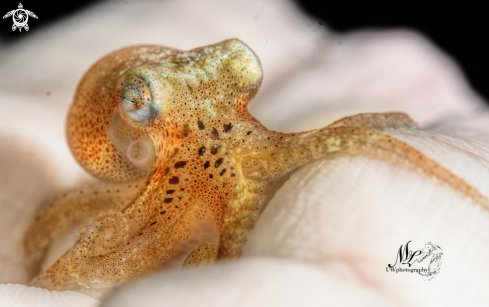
x=185 y=169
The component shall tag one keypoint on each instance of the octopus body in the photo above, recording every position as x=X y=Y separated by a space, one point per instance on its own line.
x=188 y=169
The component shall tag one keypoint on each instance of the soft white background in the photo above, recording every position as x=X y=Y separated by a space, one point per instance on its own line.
x=328 y=235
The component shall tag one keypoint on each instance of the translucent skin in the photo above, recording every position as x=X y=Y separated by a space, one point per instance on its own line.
x=213 y=167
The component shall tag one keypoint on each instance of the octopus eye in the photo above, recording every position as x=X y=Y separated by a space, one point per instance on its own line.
x=135 y=109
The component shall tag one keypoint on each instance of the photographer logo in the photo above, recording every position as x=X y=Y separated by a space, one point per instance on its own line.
x=20 y=17
x=425 y=262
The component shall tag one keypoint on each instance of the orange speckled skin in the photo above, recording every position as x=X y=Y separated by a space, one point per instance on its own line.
x=214 y=168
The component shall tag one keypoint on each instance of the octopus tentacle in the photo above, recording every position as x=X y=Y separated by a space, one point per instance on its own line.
x=73 y=206
x=371 y=143
x=377 y=121
x=280 y=154
x=153 y=248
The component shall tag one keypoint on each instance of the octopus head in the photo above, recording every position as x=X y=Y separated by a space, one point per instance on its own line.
x=211 y=80
x=131 y=103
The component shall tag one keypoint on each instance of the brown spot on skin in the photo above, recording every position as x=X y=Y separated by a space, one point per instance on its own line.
x=185 y=131
x=227 y=128
x=218 y=162
x=222 y=173
x=174 y=180
x=170 y=191
x=168 y=200
x=200 y=124
x=202 y=151
x=180 y=164
x=215 y=149
x=215 y=134
x=207 y=164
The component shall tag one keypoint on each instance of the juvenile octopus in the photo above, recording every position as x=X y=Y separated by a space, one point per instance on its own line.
x=188 y=168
